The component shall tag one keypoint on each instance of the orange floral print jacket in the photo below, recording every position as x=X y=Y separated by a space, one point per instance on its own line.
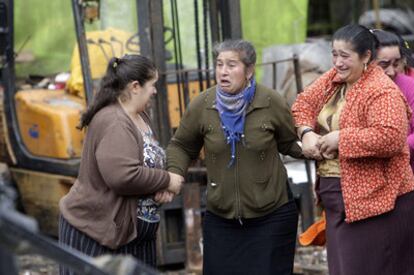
x=373 y=154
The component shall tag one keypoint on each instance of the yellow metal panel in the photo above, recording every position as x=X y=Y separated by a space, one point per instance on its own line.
x=97 y=59
x=47 y=122
x=173 y=99
x=40 y=194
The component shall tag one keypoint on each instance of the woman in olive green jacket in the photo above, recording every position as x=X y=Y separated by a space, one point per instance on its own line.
x=251 y=220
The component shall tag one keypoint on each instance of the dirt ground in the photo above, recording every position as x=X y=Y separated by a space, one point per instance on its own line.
x=308 y=261
x=36 y=265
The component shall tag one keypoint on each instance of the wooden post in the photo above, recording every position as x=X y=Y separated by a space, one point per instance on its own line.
x=376 y=6
x=192 y=221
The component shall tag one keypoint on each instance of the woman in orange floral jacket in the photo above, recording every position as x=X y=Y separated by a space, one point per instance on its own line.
x=353 y=120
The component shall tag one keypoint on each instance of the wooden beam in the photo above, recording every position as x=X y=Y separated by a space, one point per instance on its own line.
x=192 y=221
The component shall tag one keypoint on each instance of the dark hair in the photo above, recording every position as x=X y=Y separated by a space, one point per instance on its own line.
x=387 y=39
x=244 y=48
x=360 y=37
x=119 y=73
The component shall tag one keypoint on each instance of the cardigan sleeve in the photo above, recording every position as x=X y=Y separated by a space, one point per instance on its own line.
x=118 y=162
x=385 y=132
x=308 y=103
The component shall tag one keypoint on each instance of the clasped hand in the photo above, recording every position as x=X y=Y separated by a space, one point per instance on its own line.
x=319 y=147
x=174 y=188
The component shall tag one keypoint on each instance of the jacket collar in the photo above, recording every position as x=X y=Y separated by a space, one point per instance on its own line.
x=333 y=81
x=260 y=99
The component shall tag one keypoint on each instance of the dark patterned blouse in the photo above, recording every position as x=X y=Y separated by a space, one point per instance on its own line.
x=154 y=157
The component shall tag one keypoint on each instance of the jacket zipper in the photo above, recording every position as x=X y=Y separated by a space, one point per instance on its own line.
x=236 y=183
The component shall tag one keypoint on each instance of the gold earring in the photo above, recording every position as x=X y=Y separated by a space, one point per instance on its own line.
x=365 y=67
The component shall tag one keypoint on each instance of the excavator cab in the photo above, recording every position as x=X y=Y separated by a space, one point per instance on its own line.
x=38 y=120
x=41 y=112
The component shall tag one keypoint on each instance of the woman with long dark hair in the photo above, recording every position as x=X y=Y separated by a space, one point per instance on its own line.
x=113 y=205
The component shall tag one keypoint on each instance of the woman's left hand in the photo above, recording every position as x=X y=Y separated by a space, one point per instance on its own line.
x=163 y=196
x=329 y=143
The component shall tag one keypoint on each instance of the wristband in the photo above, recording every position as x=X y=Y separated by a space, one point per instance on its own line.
x=307 y=130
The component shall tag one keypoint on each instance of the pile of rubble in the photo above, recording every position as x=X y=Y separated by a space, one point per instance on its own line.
x=311 y=261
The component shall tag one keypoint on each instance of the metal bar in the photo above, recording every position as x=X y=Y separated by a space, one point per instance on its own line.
x=121 y=45
x=176 y=56
x=276 y=61
x=103 y=41
x=183 y=71
x=198 y=49
x=206 y=47
x=169 y=72
x=102 y=49
x=144 y=23
x=186 y=90
x=146 y=32
x=180 y=55
x=83 y=50
x=298 y=76
x=161 y=114
x=4 y=31
x=235 y=19
x=214 y=22
x=230 y=19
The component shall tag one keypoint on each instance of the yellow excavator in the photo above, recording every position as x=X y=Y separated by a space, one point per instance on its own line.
x=40 y=146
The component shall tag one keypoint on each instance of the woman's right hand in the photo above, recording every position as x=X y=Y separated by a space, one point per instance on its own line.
x=310 y=146
x=328 y=145
x=176 y=183
x=163 y=196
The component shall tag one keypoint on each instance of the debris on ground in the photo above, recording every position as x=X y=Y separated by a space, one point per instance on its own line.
x=311 y=261
x=31 y=264
x=308 y=261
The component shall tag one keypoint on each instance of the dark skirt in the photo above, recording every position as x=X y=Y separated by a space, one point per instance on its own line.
x=264 y=245
x=382 y=244
x=142 y=248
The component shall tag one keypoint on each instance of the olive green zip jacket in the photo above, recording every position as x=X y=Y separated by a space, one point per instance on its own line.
x=256 y=184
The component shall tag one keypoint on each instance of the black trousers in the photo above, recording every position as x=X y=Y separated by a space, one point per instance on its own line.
x=142 y=248
x=264 y=245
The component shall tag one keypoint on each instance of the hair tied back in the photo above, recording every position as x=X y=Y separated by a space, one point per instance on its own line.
x=115 y=64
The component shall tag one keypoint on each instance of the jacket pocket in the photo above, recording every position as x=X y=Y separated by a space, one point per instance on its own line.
x=214 y=193
x=264 y=193
x=264 y=168
x=260 y=135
